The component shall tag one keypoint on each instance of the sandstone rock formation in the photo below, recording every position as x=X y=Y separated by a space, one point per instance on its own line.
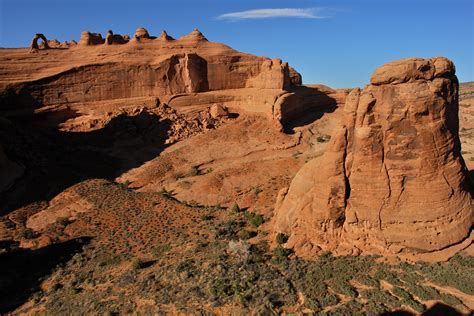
x=141 y=32
x=112 y=38
x=142 y=36
x=195 y=35
x=88 y=39
x=34 y=41
x=189 y=73
x=165 y=37
x=393 y=178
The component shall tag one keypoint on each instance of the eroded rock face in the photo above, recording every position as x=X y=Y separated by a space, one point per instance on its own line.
x=392 y=179
x=88 y=39
x=190 y=72
x=112 y=38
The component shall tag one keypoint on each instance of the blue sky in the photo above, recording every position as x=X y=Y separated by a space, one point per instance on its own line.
x=338 y=43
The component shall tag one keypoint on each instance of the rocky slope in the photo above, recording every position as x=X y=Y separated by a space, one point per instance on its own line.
x=392 y=179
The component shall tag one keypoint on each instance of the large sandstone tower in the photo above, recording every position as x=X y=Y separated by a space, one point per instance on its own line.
x=393 y=178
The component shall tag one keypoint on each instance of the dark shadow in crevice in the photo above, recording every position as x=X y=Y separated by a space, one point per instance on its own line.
x=22 y=270
x=305 y=106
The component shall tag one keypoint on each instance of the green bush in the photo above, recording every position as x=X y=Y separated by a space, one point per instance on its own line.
x=245 y=234
x=194 y=171
x=450 y=299
x=138 y=264
x=281 y=238
x=27 y=233
x=281 y=253
x=235 y=208
x=254 y=219
x=64 y=221
x=341 y=286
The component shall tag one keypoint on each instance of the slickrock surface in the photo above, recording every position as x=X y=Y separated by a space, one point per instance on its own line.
x=392 y=179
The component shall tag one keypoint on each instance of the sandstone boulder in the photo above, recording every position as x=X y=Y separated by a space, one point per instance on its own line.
x=141 y=32
x=392 y=179
x=88 y=39
x=218 y=110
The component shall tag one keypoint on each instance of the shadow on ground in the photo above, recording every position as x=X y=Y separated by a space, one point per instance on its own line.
x=54 y=160
x=21 y=270
x=438 y=309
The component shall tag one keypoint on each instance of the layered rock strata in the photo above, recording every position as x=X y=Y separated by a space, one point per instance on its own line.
x=392 y=179
x=193 y=69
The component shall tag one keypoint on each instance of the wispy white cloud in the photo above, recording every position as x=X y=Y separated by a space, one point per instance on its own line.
x=307 y=13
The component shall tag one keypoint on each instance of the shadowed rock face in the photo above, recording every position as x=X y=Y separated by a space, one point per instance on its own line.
x=392 y=178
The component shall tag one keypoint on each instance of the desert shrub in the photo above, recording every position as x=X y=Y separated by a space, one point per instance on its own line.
x=341 y=286
x=64 y=221
x=245 y=234
x=138 y=264
x=367 y=280
x=458 y=272
x=165 y=193
x=185 y=265
x=416 y=306
x=410 y=278
x=239 y=249
x=106 y=260
x=124 y=185
x=206 y=217
x=281 y=253
x=219 y=287
x=194 y=171
x=379 y=296
x=384 y=274
x=323 y=138
x=450 y=299
x=254 y=219
x=160 y=250
x=27 y=233
x=235 y=208
x=281 y=238
x=257 y=191
x=401 y=293
x=347 y=308
x=228 y=230
x=423 y=292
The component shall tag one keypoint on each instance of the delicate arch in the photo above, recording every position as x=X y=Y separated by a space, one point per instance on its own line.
x=34 y=42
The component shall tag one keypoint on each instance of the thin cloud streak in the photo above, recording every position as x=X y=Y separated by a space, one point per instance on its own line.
x=306 y=13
